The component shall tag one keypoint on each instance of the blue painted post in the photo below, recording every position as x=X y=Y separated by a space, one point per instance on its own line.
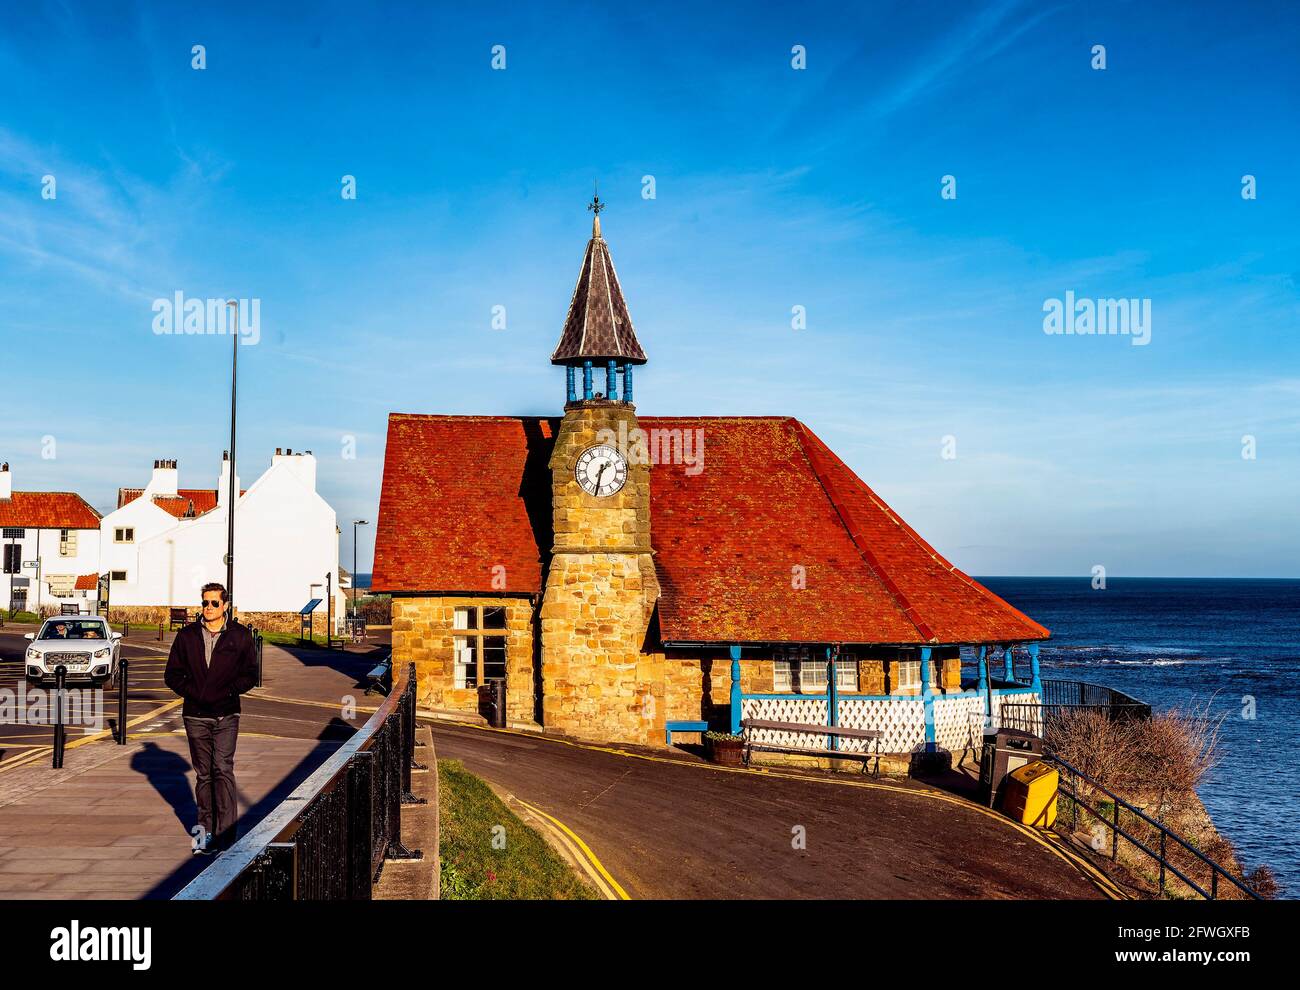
x=586 y=379
x=1036 y=681
x=627 y=383
x=982 y=653
x=611 y=381
x=1008 y=666
x=832 y=696
x=928 y=698
x=735 y=691
x=571 y=380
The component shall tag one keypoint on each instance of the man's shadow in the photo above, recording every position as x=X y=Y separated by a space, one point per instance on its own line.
x=167 y=772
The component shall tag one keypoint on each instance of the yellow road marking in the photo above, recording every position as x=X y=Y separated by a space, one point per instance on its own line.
x=591 y=856
x=94 y=737
x=1098 y=879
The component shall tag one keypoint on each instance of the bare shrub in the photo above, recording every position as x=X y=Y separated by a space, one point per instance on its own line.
x=1262 y=881
x=1174 y=750
x=1094 y=743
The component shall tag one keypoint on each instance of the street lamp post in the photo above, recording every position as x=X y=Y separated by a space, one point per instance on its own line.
x=233 y=306
x=355 y=524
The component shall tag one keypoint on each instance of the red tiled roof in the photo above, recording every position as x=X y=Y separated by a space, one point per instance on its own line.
x=453 y=503
x=87 y=582
x=461 y=493
x=47 y=510
x=203 y=499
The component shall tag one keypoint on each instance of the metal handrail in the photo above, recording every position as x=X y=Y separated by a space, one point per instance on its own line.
x=301 y=851
x=1053 y=688
x=1165 y=835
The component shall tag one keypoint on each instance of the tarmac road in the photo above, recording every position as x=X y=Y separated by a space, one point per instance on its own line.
x=677 y=829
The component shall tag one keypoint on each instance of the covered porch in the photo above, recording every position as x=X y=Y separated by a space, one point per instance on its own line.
x=933 y=719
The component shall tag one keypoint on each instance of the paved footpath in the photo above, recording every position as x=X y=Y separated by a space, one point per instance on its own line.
x=115 y=821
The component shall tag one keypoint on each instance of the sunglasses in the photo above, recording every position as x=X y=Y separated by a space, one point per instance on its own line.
x=212 y=603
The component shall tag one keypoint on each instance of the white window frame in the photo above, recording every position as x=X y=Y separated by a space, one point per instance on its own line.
x=124 y=579
x=795 y=670
x=782 y=681
x=469 y=620
x=908 y=674
x=124 y=534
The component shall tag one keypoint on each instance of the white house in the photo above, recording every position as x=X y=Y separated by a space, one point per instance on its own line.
x=163 y=543
x=50 y=540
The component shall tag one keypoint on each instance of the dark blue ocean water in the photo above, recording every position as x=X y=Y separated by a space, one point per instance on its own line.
x=1174 y=642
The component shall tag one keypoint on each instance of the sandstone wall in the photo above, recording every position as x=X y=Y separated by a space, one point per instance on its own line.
x=423 y=632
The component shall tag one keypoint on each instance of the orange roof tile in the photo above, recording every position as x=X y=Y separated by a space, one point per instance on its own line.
x=47 y=510
x=463 y=493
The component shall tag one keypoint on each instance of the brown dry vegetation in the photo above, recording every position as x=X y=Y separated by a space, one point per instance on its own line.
x=1155 y=764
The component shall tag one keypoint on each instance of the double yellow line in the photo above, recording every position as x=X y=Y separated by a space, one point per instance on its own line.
x=26 y=759
x=609 y=888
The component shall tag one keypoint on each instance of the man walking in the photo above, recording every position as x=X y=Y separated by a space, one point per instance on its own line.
x=212 y=662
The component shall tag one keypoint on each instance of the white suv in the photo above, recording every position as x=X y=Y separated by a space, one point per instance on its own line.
x=84 y=645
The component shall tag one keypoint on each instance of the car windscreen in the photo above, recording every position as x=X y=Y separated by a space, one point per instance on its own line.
x=76 y=629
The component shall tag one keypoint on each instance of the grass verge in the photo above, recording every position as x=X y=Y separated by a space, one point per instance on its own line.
x=488 y=853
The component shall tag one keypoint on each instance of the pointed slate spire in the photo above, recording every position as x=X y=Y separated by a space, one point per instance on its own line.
x=598 y=328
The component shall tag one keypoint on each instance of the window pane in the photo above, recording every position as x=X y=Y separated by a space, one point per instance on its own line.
x=494 y=617
x=909 y=673
x=812 y=673
x=781 y=673
x=466 y=648
x=846 y=674
x=464 y=618
x=494 y=658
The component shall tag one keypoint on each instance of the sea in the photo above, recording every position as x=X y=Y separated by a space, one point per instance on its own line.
x=1183 y=642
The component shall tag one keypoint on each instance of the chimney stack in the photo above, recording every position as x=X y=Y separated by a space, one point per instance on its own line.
x=6 y=482
x=163 y=481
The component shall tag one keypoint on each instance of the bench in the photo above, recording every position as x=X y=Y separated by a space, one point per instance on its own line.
x=380 y=677
x=683 y=726
x=178 y=617
x=357 y=629
x=750 y=724
x=69 y=609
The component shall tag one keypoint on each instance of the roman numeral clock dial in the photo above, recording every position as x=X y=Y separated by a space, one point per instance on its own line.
x=601 y=471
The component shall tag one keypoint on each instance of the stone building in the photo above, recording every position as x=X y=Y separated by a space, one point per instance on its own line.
x=634 y=578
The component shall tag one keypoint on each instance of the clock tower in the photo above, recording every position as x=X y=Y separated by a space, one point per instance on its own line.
x=601 y=679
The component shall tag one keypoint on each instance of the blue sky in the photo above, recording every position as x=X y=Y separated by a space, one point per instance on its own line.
x=775 y=188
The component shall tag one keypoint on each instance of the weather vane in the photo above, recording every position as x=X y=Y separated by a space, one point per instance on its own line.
x=596 y=205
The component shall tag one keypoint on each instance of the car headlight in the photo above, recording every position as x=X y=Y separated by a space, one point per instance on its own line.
x=102 y=654
x=34 y=654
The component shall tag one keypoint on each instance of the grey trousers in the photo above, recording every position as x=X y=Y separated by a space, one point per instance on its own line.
x=212 y=754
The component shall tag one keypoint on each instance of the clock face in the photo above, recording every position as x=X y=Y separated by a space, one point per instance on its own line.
x=601 y=470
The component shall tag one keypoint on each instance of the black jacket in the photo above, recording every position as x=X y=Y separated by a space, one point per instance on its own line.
x=215 y=690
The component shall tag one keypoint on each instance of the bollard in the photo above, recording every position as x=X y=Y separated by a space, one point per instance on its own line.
x=160 y=630
x=126 y=629
x=121 y=701
x=60 y=679
x=258 y=638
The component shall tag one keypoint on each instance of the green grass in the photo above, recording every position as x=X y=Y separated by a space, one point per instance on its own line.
x=472 y=869
x=293 y=639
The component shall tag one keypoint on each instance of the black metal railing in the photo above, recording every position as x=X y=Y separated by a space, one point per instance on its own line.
x=1074 y=693
x=1061 y=698
x=1110 y=817
x=328 y=839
